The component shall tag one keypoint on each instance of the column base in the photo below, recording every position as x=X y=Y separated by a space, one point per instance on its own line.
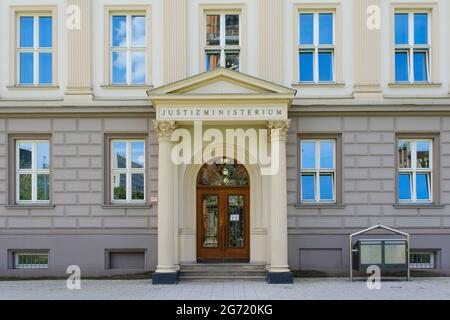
x=279 y=277
x=165 y=278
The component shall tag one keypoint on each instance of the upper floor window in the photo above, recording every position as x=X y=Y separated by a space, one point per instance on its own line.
x=412 y=47
x=222 y=41
x=128 y=49
x=35 y=50
x=316 y=47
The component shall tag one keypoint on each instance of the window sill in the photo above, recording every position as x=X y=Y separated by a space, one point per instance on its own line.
x=31 y=87
x=319 y=206
x=127 y=206
x=30 y=206
x=414 y=85
x=126 y=86
x=419 y=206
x=319 y=85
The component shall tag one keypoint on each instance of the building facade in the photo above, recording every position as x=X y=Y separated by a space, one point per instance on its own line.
x=351 y=97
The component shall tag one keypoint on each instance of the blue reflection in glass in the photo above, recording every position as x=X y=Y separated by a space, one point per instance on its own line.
x=137 y=155
x=45 y=68
x=306 y=63
x=325 y=66
x=26 y=32
x=43 y=155
x=45 y=32
x=325 y=28
x=306 y=28
x=138 y=68
x=326 y=155
x=308 y=155
x=404 y=187
x=119 y=31
x=401 y=28
x=119 y=72
x=26 y=68
x=119 y=154
x=308 y=187
x=422 y=186
x=138 y=31
x=401 y=66
x=420 y=28
x=420 y=66
x=326 y=187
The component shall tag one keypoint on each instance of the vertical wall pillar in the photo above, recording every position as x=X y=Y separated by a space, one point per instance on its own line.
x=166 y=271
x=279 y=269
x=367 y=44
x=78 y=26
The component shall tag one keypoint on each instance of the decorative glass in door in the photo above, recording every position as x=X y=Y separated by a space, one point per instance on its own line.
x=236 y=221
x=210 y=215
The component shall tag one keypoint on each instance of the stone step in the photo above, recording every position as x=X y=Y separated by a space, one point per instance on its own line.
x=222 y=272
x=221 y=278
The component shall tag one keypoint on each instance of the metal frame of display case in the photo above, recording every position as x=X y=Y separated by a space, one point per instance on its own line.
x=378 y=226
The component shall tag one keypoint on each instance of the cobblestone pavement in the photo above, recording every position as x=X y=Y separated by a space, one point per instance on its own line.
x=317 y=288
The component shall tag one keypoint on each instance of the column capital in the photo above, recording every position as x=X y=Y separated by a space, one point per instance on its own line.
x=164 y=129
x=281 y=127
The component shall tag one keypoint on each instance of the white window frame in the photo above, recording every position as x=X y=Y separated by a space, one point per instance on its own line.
x=411 y=48
x=128 y=49
x=316 y=47
x=414 y=170
x=424 y=266
x=317 y=171
x=34 y=171
x=17 y=265
x=128 y=171
x=35 y=50
x=223 y=48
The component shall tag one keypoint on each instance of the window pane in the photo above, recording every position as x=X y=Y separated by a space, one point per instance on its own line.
x=325 y=28
x=420 y=66
x=308 y=187
x=404 y=154
x=138 y=31
x=119 y=181
x=119 y=155
x=137 y=187
x=119 y=31
x=137 y=155
x=212 y=60
x=45 y=32
x=45 y=68
x=119 y=72
x=232 y=29
x=326 y=154
x=325 y=66
x=26 y=68
x=232 y=60
x=213 y=30
x=394 y=253
x=420 y=28
x=25 y=155
x=326 y=187
x=43 y=187
x=423 y=154
x=306 y=63
x=43 y=155
x=26 y=32
x=404 y=187
x=401 y=66
x=306 y=28
x=138 y=67
x=422 y=186
x=25 y=187
x=308 y=155
x=401 y=28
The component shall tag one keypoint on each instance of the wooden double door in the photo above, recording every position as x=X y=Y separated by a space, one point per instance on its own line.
x=223 y=230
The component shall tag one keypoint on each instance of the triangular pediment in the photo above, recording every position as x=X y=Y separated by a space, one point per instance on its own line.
x=221 y=81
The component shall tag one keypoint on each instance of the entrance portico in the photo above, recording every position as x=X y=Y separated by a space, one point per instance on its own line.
x=204 y=121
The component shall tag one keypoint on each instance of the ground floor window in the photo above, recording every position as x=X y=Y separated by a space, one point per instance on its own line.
x=422 y=260
x=31 y=260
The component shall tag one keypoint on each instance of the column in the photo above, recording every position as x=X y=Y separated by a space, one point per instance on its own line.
x=166 y=272
x=78 y=26
x=279 y=269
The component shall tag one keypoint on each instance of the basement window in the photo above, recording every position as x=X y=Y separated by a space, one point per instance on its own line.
x=31 y=260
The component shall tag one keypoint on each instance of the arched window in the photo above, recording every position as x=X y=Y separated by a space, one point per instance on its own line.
x=226 y=173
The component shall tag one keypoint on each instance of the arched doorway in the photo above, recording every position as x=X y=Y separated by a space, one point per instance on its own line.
x=223 y=215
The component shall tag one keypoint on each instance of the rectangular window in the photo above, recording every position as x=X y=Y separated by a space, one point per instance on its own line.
x=128 y=165
x=30 y=260
x=422 y=260
x=35 y=49
x=32 y=171
x=222 y=41
x=318 y=170
x=128 y=49
x=412 y=47
x=316 y=47
x=415 y=170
